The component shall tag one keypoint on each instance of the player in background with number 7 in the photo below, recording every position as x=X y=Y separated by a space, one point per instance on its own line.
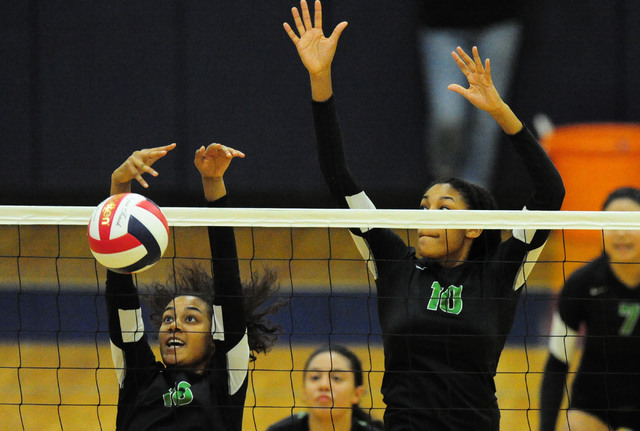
x=603 y=298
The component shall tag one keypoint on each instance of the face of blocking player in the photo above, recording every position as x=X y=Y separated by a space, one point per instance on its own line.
x=185 y=334
x=449 y=245
x=622 y=245
x=329 y=386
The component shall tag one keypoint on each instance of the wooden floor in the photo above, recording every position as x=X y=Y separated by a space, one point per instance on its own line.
x=72 y=387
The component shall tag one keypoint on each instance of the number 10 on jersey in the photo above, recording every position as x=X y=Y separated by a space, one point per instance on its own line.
x=448 y=299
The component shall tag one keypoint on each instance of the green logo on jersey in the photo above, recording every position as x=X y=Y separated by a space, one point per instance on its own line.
x=629 y=311
x=179 y=396
x=448 y=300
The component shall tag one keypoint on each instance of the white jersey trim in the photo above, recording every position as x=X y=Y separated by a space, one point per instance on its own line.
x=362 y=201
x=217 y=323
x=131 y=325
x=119 y=363
x=529 y=261
x=237 y=364
x=524 y=235
x=563 y=340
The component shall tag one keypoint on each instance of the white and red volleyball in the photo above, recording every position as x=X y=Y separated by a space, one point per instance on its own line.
x=128 y=233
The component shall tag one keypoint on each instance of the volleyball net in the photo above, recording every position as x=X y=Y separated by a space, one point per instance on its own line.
x=56 y=366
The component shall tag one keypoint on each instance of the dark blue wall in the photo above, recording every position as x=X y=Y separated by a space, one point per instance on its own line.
x=83 y=84
x=310 y=318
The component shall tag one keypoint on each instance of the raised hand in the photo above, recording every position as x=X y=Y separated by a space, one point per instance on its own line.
x=213 y=161
x=316 y=51
x=481 y=92
x=138 y=163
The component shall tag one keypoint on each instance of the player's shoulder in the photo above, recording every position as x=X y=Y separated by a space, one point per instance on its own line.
x=588 y=275
x=295 y=422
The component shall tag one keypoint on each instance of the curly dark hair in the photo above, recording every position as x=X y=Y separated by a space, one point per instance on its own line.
x=258 y=295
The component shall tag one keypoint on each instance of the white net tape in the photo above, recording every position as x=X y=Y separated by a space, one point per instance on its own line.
x=286 y=217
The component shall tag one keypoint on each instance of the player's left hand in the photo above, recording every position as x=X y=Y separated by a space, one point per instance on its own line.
x=481 y=92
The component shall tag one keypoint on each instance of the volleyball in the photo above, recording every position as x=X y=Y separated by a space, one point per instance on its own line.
x=128 y=233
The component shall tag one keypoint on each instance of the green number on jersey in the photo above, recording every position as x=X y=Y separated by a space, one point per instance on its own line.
x=448 y=300
x=630 y=311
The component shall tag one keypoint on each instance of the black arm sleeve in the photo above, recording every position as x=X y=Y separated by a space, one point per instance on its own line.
x=548 y=188
x=552 y=392
x=228 y=295
x=331 y=153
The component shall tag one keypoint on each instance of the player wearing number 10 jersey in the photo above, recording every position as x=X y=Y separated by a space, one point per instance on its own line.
x=447 y=305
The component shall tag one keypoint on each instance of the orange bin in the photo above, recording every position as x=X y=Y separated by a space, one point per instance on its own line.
x=594 y=160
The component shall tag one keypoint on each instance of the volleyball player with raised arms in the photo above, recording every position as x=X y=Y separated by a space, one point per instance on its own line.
x=603 y=299
x=206 y=333
x=445 y=307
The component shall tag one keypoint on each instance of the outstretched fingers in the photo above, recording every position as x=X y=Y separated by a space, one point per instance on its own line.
x=480 y=91
x=473 y=68
x=140 y=162
x=338 y=31
x=464 y=62
x=154 y=154
x=487 y=68
x=133 y=168
x=297 y=20
x=138 y=176
x=477 y=61
x=306 y=16
x=317 y=14
x=302 y=20
x=299 y=26
x=461 y=64
x=292 y=34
